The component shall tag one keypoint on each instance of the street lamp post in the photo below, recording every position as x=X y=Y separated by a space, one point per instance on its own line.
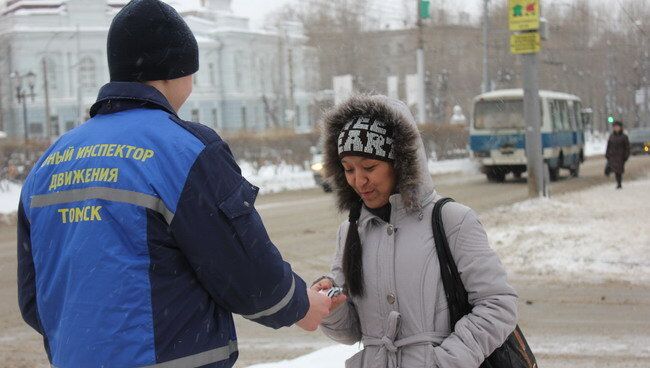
x=22 y=94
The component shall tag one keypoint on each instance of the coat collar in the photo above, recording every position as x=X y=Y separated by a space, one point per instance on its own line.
x=119 y=96
x=398 y=209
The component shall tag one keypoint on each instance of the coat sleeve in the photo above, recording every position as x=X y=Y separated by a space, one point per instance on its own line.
x=26 y=273
x=494 y=301
x=222 y=236
x=608 y=149
x=342 y=325
x=627 y=147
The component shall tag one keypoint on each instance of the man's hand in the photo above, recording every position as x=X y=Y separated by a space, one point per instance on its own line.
x=319 y=307
x=326 y=284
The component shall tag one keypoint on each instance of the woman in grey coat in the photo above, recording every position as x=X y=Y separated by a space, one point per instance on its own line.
x=386 y=259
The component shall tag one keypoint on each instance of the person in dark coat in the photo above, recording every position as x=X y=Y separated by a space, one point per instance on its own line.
x=138 y=237
x=618 y=151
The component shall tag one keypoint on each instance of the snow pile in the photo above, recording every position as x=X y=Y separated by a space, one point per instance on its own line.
x=626 y=346
x=330 y=357
x=277 y=178
x=9 y=197
x=461 y=165
x=596 y=235
x=595 y=144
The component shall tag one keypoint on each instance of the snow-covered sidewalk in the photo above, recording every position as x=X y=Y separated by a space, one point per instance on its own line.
x=595 y=144
x=9 y=197
x=278 y=178
x=595 y=235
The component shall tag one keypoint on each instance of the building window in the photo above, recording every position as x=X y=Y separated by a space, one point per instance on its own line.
x=263 y=75
x=87 y=73
x=213 y=81
x=215 y=118
x=52 y=73
x=54 y=126
x=298 y=118
x=238 y=70
x=35 y=129
x=195 y=115
x=243 y=118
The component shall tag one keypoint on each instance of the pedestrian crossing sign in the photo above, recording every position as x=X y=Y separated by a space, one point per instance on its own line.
x=523 y=15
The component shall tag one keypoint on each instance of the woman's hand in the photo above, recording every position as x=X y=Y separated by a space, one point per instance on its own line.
x=326 y=284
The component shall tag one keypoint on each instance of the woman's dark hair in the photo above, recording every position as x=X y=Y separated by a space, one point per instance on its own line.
x=352 y=255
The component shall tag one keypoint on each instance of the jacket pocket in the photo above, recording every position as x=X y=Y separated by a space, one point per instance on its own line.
x=241 y=201
x=239 y=209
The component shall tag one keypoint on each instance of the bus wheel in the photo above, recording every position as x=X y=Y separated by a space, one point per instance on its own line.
x=496 y=176
x=575 y=171
x=554 y=173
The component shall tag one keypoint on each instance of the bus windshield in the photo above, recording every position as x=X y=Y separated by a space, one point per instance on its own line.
x=499 y=114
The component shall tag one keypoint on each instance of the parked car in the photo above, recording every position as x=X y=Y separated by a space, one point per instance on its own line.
x=317 y=169
x=639 y=141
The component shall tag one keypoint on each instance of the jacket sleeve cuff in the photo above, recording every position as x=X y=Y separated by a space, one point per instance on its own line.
x=287 y=311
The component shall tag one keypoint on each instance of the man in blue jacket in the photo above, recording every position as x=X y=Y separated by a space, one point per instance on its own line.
x=137 y=234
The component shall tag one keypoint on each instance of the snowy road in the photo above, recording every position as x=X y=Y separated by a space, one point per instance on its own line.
x=571 y=324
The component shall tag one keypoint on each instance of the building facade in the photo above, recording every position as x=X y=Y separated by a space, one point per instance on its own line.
x=249 y=79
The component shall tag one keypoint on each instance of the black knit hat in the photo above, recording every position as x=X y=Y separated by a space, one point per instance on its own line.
x=148 y=40
x=366 y=137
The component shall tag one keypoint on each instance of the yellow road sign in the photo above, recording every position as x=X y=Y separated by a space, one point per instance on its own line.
x=523 y=15
x=525 y=43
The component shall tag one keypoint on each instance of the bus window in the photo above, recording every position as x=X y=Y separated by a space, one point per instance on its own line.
x=556 y=116
x=499 y=114
x=572 y=116
x=565 y=116
x=577 y=108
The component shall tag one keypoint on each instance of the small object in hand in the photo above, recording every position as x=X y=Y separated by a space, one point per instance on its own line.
x=333 y=292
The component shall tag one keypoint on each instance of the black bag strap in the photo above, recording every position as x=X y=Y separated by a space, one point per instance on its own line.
x=454 y=289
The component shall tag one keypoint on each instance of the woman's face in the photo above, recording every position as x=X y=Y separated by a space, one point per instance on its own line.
x=617 y=128
x=373 y=180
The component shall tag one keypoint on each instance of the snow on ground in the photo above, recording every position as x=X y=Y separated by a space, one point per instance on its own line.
x=460 y=165
x=595 y=144
x=9 y=197
x=329 y=357
x=591 y=345
x=595 y=235
x=277 y=178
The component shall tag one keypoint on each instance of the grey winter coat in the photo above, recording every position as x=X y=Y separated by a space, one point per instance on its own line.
x=402 y=319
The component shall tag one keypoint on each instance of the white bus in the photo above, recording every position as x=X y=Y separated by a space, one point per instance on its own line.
x=497 y=133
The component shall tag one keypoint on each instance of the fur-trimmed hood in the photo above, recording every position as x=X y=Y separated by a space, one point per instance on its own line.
x=414 y=182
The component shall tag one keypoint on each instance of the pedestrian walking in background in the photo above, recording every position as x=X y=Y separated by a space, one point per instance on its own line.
x=618 y=152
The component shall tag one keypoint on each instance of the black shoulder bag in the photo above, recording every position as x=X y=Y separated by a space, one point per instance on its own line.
x=515 y=352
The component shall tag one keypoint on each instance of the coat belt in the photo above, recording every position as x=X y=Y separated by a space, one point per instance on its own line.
x=390 y=349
